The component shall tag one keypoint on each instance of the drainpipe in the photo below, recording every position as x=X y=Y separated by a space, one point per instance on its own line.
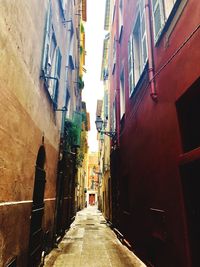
x=153 y=93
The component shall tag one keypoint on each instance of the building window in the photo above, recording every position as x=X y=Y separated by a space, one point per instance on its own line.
x=114 y=54
x=137 y=50
x=63 y=5
x=138 y=46
x=161 y=12
x=120 y=19
x=106 y=105
x=51 y=61
x=130 y=66
x=113 y=119
x=113 y=17
x=122 y=94
x=168 y=6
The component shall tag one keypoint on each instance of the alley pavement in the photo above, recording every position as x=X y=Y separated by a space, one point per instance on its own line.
x=91 y=243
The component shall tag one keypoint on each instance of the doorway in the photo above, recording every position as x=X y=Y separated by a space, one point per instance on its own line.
x=36 y=232
x=92 y=199
x=190 y=174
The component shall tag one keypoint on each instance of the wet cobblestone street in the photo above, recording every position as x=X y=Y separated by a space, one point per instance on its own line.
x=91 y=243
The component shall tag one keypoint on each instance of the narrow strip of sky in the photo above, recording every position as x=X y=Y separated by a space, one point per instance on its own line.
x=93 y=90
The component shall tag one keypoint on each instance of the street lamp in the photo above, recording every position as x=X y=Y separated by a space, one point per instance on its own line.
x=99 y=124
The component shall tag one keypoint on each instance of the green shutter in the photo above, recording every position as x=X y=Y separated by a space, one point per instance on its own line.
x=77 y=120
x=47 y=40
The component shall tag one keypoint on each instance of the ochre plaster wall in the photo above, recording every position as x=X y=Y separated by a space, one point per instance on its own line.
x=27 y=117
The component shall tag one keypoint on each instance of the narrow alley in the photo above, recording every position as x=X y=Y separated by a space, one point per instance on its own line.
x=91 y=243
x=99 y=133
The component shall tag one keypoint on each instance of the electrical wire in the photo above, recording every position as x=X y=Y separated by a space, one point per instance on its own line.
x=131 y=115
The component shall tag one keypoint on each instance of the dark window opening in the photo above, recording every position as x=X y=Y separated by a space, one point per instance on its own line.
x=188 y=109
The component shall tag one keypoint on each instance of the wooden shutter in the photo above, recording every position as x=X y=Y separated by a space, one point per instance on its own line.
x=84 y=10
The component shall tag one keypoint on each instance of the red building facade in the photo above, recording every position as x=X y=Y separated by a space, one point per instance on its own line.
x=154 y=78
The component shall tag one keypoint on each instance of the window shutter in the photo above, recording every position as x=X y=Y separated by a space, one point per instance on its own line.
x=84 y=10
x=158 y=17
x=57 y=75
x=106 y=105
x=120 y=19
x=122 y=94
x=130 y=65
x=113 y=125
x=143 y=34
x=114 y=54
x=54 y=95
x=58 y=62
x=47 y=40
x=63 y=4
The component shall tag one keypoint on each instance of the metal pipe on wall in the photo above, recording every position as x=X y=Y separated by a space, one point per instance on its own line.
x=153 y=93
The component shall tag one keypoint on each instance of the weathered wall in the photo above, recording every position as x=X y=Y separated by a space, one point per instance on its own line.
x=27 y=116
x=150 y=146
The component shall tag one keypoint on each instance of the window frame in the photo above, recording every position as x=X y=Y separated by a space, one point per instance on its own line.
x=122 y=93
x=106 y=107
x=114 y=120
x=51 y=60
x=114 y=11
x=138 y=39
x=131 y=66
x=165 y=20
x=114 y=58
x=121 y=7
x=63 y=4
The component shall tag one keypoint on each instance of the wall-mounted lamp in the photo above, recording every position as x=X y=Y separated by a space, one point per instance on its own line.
x=99 y=124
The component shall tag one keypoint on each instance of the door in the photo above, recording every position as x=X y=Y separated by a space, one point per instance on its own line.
x=36 y=232
x=190 y=174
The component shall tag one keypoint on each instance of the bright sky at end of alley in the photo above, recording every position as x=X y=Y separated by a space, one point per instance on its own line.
x=93 y=90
